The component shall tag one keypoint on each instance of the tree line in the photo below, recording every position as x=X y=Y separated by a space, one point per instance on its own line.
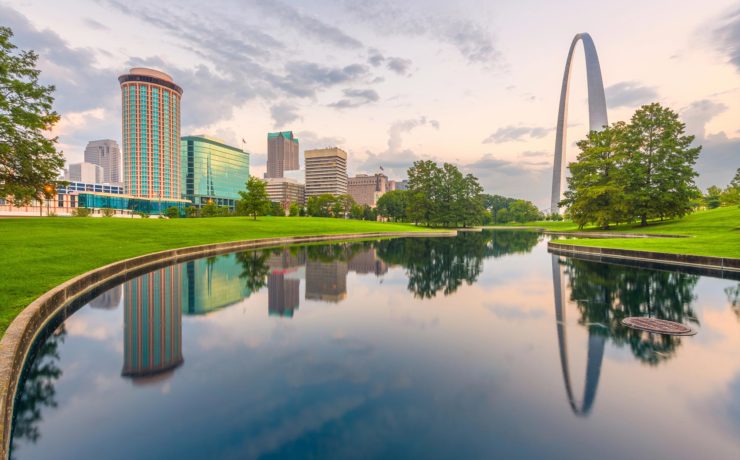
x=730 y=196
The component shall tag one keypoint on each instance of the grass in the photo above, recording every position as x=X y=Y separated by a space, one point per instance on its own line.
x=40 y=253
x=714 y=232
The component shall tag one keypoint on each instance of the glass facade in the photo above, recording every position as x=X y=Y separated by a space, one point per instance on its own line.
x=212 y=171
x=125 y=202
x=89 y=187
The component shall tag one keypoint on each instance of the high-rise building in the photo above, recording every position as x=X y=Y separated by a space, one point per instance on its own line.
x=366 y=190
x=212 y=171
x=152 y=324
x=286 y=192
x=151 y=134
x=106 y=154
x=326 y=281
x=85 y=172
x=282 y=153
x=326 y=171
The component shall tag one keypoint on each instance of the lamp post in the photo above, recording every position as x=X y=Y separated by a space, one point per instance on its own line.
x=48 y=193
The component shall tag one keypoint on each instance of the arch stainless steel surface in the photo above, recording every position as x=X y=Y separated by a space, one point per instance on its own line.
x=596 y=109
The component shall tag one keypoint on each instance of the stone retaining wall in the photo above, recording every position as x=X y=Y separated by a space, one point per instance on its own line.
x=20 y=335
x=723 y=264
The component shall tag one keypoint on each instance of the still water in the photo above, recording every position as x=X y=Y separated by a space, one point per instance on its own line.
x=480 y=346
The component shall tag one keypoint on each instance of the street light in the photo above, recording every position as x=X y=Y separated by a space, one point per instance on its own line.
x=48 y=193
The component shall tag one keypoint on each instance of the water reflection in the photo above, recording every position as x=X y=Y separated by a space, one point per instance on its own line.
x=38 y=390
x=336 y=373
x=152 y=346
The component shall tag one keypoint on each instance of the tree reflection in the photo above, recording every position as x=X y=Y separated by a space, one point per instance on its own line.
x=37 y=390
x=733 y=297
x=444 y=264
x=254 y=268
x=605 y=294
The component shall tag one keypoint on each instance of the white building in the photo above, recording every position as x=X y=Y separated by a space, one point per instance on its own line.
x=85 y=172
x=106 y=154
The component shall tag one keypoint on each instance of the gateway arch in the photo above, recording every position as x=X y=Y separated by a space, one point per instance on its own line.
x=596 y=109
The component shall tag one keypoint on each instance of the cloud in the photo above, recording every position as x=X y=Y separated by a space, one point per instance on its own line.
x=516 y=133
x=307 y=25
x=93 y=24
x=629 y=94
x=282 y=114
x=472 y=40
x=399 y=65
x=356 y=98
x=505 y=177
x=310 y=140
x=398 y=128
x=62 y=66
x=718 y=159
x=727 y=36
x=304 y=79
x=375 y=59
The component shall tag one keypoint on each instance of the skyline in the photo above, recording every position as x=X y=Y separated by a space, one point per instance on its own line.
x=389 y=86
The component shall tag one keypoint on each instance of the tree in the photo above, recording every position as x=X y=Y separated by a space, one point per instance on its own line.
x=659 y=164
x=254 y=201
x=731 y=195
x=524 y=211
x=29 y=161
x=393 y=204
x=294 y=210
x=320 y=206
x=210 y=209
x=712 y=198
x=172 y=212
x=276 y=209
x=424 y=180
x=596 y=188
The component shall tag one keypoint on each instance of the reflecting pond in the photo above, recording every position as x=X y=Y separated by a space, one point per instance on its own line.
x=479 y=346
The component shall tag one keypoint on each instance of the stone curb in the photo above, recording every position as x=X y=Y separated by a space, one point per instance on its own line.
x=721 y=264
x=20 y=335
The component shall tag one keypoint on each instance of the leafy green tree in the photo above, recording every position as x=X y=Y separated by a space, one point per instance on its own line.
x=524 y=211
x=731 y=195
x=172 y=212
x=393 y=205
x=712 y=197
x=294 y=210
x=342 y=205
x=320 y=206
x=210 y=209
x=659 y=164
x=276 y=209
x=423 y=190
x=254 y=201
x=596 y=187
x=29 y=161
x=191 y=211
x=254 y=268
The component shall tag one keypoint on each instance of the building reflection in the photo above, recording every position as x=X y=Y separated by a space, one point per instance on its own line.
x=153 y=325
x=284 y=282
x=109 y=300
x=367 y=262
x=326 y=281
x=212 y=283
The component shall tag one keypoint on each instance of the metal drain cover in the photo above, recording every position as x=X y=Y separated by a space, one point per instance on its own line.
x=658 y=326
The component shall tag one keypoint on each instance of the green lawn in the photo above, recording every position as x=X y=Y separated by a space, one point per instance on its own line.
x=715 y=232
x=40 y=253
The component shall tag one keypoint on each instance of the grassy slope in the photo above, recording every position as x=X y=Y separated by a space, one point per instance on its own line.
x=714 y=232
x=40 y=253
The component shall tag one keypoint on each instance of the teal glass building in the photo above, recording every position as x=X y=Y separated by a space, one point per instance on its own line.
x=212 y=171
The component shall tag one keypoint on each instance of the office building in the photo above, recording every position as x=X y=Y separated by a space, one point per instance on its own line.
x=366 y=189
x=326 y=172
x=85 y=172
x=399 y=185
x=326 y=281
x=151 y=134
x=212 y=171
x=283 y=294
x=152 y=325
x=106 y=154
x=282 y=153
x=286 y=192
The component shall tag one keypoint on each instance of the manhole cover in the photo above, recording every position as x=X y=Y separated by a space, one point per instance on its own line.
x=658 y=326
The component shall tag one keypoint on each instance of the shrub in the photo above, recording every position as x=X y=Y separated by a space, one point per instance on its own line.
x=107 y=212
x=81 y=212
x=172 y=212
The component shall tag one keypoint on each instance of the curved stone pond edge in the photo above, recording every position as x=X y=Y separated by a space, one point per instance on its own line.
x=22 y=332
x=724 y=267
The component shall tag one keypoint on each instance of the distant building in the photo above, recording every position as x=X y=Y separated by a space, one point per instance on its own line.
x=286 y=192
x=85 y=172
x=366 y=190
x=283 y=294
x=326 y=172
x=106 y=154
x=282 y=153
x=151 y=134
x=212 y=171
x=400 y=184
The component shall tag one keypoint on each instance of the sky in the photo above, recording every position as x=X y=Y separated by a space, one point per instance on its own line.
x=473 y=83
